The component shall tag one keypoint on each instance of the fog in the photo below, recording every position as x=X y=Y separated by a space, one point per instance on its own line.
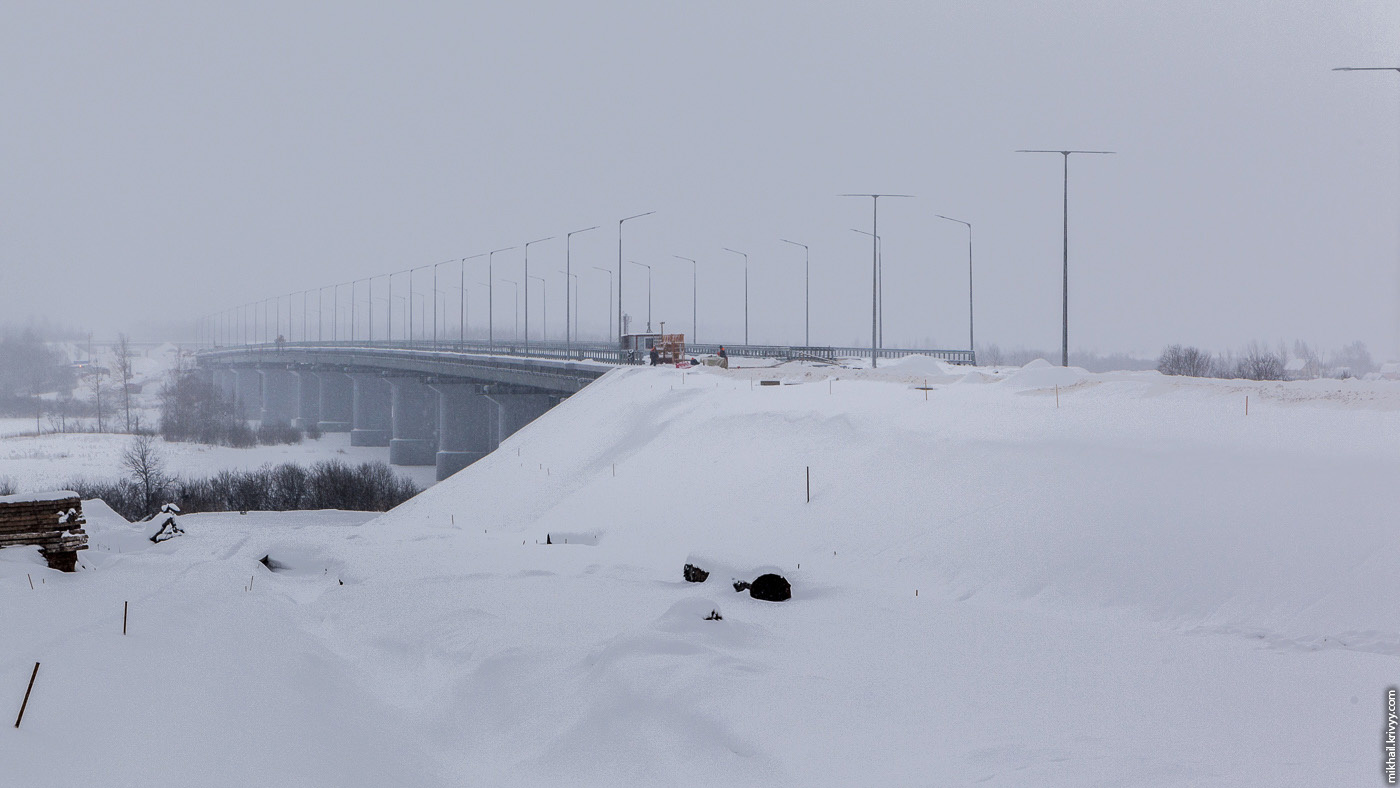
x=165 y=162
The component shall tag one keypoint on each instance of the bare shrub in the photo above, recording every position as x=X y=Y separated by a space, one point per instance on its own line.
x=1189 y=361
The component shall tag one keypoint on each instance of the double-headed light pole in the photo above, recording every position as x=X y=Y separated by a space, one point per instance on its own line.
x=1064 y=336
x=875 y=271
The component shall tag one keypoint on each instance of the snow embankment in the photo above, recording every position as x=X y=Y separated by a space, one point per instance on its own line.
x=990 y=584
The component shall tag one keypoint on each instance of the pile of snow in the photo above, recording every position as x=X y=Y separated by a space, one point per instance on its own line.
x=985 y=589
x=936 y=370
x=1041 y=374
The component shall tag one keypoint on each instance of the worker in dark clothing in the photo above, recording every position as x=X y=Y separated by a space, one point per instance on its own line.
x=655 y=356
x=723 y=357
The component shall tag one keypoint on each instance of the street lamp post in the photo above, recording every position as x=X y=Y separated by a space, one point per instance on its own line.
x=544 y=312
x=1396 y=69
x=515 y=321
x=462 y=306
x=807 y=290
x=619 y=268
x=527 y=289
x=694 y=297
x=568 y=272
x=570 y=312
x=491 y=297
x=879 y=289
x=875 y=305
x=435 y=300
x=644 y=265
x=971 y=345
x=609 y=272
x=1064 y=336
x=746 y=292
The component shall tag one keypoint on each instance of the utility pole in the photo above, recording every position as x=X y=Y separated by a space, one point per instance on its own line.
x=1064 y=336
x=609 y=272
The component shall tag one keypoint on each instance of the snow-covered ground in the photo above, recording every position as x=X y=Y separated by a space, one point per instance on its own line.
x=1021 y=577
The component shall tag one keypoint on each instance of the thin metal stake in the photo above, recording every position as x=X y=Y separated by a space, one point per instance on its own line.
x=124 y=609
x=26 y=694
x=809 y=484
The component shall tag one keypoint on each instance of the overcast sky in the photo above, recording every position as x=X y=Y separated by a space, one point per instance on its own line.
x=165 y=161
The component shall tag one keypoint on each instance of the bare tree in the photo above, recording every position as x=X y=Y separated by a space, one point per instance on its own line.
x=1191 y=361
x=1354 y=359
x=1259 y=363
x=124 y=355
x=98 y=389
x=143 y=460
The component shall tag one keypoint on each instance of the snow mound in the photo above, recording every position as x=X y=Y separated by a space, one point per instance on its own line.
x=937 y=370
x=1041 y=374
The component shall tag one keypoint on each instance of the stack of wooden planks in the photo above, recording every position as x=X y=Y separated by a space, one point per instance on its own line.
x=51 y=520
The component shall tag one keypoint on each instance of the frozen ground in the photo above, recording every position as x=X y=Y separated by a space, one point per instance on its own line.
x=49 y=461
x=1139 y=586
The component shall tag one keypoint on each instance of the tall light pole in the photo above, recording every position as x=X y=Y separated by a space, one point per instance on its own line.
x=879 y=287
x=875 y=272
x=462 y=306
x=491 y=297
x=527 y=288
x=1064 y=336
x=746 y=291
x=571 y=312
x=515 y=330
x=568 y=272
x=435 y=300
x=544 y=314
x=694 y=297
x=335 y=311
x=1396 y=69
x=970 y=344
x=644 y=265
x=807 y=334
x=609 y=272
x=619 y=268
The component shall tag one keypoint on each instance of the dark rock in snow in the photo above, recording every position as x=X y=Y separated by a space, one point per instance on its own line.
x=714 y=616
x=770 y=587
x=275 y=566
x=740 y=585
x=694 y=574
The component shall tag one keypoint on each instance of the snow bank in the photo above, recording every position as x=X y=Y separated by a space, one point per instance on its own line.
x=986 y=589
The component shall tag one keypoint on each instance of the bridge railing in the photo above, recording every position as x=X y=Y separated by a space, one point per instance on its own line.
x=608 y=352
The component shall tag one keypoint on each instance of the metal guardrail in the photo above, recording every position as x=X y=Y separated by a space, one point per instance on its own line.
x=609 y=352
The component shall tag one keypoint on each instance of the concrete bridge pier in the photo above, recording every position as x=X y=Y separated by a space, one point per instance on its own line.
x=247 y=394
x=226 y=383
x=337 y=395
x=279 y=395
x=466 y=426
x=517 y=410
x=415 y=423
x=372 y=412
x=308 y=400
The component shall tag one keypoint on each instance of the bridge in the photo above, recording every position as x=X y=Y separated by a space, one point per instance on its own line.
x=446 y=404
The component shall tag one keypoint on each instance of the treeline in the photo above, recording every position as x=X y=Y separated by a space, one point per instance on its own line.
x=1260 y=362
x=30 y=367
x=193 y=409
x=330 y=484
